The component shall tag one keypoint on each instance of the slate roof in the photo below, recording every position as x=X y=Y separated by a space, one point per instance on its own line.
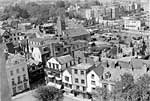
x=74 y=32
x=64 y=59
x=99 y=70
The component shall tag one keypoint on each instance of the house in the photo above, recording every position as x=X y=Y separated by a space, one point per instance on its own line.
x=55 y=68
x=17 y=72
x=67 y=80
x=79 y=77
x=35 y=71
x=95 y=77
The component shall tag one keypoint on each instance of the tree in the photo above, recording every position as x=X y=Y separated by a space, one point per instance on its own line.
x=60 y=4
x=143 y=85
x=124 y=87
x=100 y=94
x=48 y=93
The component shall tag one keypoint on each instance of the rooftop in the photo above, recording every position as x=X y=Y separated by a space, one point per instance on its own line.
x=73 y=32
x=64 y=59
x=15 y=60
x=83 y=66
x=99 y=70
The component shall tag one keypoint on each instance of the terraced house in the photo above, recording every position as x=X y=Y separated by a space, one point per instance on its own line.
x=55 y=68
x=17 y=74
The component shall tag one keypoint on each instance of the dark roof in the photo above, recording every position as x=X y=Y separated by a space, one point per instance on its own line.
x=69 y=70
x=74 y=32
x=10 y=48
x=99 y=70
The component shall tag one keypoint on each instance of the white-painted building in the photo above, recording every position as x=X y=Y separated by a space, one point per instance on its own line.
x=96 y=78
x=67 y=79
x=17 y=73
x=131 y=23
x=56 y=67
x=88 y=13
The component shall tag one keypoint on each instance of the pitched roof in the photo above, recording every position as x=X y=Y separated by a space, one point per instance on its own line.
x=64 y=59
x=76 y=32
x=99 y=70
x=83 y=66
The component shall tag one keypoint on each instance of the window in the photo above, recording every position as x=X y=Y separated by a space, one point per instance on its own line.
x=70 y=63
x=25 y=86
x=76 y=71
x=20 y=88
x=17 y=70
x=93 y=82
x=84 y=88
x=57 y=66
x=82 y=72
x=23 y=69
x=65 y=49
x=14 y=91
x=82 y=81
x=66 y=65
x=19 y=79
x=76 y=80
x=11 y=73
x=92 y=76
x=49 y=65
x=13 y=82
x=24 y=77
x=66 y=78
x=45 y=49
x=105 y=85
x=77 y=87
x=70 y=86
x=53 y=65
x=93 y=88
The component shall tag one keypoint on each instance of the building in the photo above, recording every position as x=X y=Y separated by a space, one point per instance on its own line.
x=88 y=14
x=95 y=76
x=79 y=77
x=67 y=80
x=132 y=24
x=55 y=68
x=17 y=74
x=35 y=71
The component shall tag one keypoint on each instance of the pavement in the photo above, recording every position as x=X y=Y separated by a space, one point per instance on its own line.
x=28 y=96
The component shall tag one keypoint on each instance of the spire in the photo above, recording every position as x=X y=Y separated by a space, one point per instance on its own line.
x=59 y=27
x=4 y=87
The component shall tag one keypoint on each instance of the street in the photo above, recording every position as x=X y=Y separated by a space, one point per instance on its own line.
x=28 y=96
